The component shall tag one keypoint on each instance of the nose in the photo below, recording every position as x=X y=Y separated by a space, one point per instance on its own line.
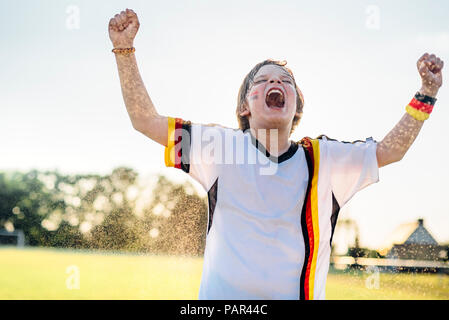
x=275 y=79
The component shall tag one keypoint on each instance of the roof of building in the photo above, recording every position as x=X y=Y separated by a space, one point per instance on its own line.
x=409 y=233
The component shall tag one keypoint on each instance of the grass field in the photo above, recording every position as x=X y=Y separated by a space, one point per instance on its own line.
x=46 y=274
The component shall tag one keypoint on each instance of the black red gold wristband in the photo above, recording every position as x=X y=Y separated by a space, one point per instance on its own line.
x=421 y=106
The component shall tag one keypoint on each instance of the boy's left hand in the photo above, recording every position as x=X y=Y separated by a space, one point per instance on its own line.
x=429 y=67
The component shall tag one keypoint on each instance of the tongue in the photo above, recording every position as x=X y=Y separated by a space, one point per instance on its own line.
x=274 y=100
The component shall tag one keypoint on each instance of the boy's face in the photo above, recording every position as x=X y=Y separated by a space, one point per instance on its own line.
x=271 y=99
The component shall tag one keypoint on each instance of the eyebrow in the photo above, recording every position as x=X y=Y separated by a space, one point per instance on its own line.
x=284 y=74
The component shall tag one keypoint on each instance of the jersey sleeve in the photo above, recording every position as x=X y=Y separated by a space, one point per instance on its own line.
x=195 y=149
x=353 y=166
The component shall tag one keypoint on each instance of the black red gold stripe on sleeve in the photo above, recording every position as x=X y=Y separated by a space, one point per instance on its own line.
x=177 y=151
x=309 y=220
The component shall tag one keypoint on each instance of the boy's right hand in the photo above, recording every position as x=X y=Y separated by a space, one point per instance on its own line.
x=123 y=29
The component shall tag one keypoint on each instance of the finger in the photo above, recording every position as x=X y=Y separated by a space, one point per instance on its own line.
x=126 y=20
x=121 y=23
x=132 y=17
x=428 y=63
x=118 y=19
x=130 y=13
x=432 y=59
x=421 y=60
x=113 y=24
x=422 y=63
x=436 y=66
x=423 y=57
x=123 y=16
x=423 y=69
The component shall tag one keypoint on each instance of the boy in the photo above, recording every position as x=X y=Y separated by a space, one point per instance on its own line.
x=273 y=203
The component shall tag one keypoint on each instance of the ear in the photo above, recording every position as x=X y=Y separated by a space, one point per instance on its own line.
x=245 y=112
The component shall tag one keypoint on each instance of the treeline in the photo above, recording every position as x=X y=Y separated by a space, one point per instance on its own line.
x=108 y=212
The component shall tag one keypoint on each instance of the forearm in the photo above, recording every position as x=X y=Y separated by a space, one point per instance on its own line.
x=396 y=143
x=141 y=110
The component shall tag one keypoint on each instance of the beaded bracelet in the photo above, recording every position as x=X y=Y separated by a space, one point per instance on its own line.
x=124 y=51
x=421 y=106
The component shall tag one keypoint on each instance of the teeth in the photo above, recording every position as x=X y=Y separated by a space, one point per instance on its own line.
x=276 y=90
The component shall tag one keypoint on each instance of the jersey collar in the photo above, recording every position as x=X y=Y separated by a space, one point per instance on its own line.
x=283 y=157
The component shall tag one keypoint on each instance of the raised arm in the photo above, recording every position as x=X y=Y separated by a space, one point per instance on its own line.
x=396 y=143
x=144 y=117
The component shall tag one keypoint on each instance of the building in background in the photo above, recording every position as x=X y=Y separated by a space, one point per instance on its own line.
x=410 y=248
x=12 y=238
x=412 y=241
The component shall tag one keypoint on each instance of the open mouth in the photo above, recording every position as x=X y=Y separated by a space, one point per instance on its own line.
x=275 y=98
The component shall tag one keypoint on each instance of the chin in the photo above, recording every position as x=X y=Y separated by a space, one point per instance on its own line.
x=276 y=123
x=270 y=118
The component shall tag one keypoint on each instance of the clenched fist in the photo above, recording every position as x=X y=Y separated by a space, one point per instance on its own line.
x=429 y=67
x=123 y=29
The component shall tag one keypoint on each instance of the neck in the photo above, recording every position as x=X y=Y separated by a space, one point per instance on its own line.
x=275 y=141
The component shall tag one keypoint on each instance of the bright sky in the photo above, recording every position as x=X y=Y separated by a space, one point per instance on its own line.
x=355 y=61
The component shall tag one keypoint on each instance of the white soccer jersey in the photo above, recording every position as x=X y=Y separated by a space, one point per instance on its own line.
x=271 y=219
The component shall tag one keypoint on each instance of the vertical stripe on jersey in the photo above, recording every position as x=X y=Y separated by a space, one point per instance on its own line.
x=305 y=226
x=314 y=209
x=309 y=220
x=334 y=216
x=212 y=200
x=177 y=151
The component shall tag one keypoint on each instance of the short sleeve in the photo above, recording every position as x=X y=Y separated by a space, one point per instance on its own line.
x=194 y=148
x=353 y=166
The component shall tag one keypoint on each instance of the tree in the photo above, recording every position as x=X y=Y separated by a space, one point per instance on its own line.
x=94 y=211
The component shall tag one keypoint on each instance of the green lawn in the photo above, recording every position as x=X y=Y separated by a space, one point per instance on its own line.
x=42 y=274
